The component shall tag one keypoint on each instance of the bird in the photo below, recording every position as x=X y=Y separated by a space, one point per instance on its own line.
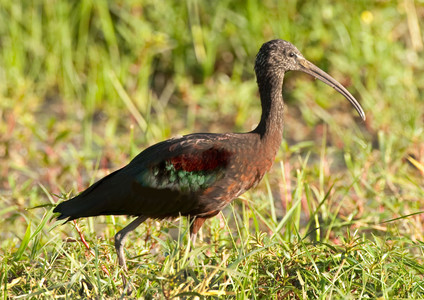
x=199 y=174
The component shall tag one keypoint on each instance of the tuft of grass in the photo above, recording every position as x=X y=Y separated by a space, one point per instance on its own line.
x=86 y=85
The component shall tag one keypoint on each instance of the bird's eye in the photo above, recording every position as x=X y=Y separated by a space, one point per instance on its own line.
x=291 y=54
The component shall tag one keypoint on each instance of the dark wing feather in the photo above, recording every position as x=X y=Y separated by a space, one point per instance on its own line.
x=162 y=181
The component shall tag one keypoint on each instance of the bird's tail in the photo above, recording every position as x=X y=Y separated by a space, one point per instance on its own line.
x=89 y=204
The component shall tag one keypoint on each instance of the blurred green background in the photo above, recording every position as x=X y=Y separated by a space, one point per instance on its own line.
x=86 y=85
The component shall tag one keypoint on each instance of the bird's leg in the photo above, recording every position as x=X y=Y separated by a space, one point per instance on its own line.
x=119 y=242
x=194 y=227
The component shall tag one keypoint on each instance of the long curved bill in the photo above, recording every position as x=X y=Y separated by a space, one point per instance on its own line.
x=311 y=69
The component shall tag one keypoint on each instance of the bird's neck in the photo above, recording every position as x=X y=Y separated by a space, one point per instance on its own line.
x=270 y=128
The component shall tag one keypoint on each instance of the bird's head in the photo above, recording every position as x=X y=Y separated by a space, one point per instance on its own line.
x=278 y=56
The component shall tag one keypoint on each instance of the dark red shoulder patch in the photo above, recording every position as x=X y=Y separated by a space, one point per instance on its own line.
x=204 y=161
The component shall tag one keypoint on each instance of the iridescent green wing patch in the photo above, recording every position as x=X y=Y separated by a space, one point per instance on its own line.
x=189 y=172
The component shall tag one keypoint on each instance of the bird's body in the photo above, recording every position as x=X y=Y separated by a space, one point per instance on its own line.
x=194 y=175
x=197 y=175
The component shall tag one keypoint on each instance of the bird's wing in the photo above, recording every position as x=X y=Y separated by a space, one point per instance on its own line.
x=170 y=183
x=186 y=165
x=163 y=180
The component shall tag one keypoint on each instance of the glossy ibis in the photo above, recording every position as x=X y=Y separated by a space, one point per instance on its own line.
x=199 y=174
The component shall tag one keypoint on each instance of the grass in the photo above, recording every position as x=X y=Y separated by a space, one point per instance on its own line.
x=86 y=85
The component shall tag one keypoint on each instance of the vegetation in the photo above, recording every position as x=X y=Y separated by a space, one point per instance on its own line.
x=85 y=85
